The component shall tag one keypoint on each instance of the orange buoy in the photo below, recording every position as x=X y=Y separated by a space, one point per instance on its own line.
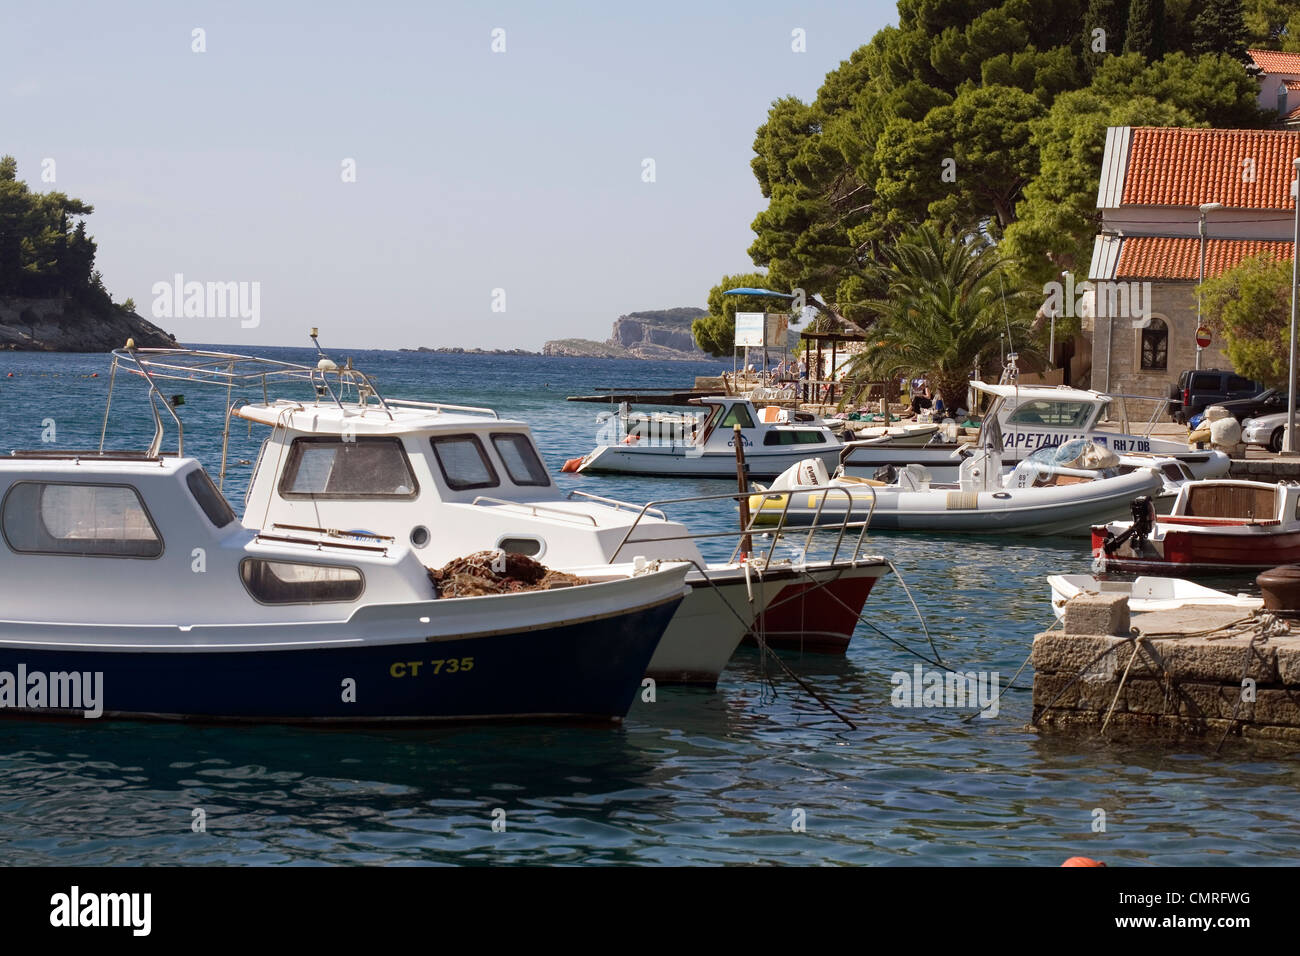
x=1082 y=861
x=572 y=465
x=94 y=375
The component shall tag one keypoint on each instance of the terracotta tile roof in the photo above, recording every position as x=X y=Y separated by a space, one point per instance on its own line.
x=1291 y=84
x=1271 y=61
x=1187 y=167
x=1161 y=257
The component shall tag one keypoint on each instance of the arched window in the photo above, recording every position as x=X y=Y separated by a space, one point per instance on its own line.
x=1155 y=346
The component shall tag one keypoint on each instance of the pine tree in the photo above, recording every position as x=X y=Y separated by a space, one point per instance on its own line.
x=1220 y=27
x=1145 y=33
x=1109 y=16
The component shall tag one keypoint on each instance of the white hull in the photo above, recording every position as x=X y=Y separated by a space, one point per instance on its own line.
x=1070 y=509
x=688 y=462
x=944 y=460
x=1148 y=593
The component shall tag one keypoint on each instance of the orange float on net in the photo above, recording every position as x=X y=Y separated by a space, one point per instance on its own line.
x=1082 y=861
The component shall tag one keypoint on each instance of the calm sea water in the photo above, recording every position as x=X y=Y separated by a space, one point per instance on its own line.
x=695 y=777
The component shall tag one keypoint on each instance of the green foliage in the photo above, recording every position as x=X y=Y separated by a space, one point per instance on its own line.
x=944 y=313
x=1220 y=27
x=1250 y=306
x=715 y=333
x=1145 y=33
x=1272 y=25
x=1012 y=92
x=41 y=252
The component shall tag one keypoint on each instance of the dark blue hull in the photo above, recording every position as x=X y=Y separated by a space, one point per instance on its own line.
x=580 y=670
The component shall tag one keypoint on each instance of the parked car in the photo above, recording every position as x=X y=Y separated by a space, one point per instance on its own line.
x=1197 y=389
x=1267 y=402
x=1267 y=430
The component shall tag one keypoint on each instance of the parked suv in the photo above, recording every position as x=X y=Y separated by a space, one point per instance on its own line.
x=1197 y=389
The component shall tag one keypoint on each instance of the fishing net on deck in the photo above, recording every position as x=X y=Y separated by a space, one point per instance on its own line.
x=497 y=572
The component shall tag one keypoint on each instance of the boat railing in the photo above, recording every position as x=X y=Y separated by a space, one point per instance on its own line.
x=613 y=503
x=1160 y=405
x=298 y=534
x=326 y=380
x=533 y=509
x=442 y=406
x=777 y=534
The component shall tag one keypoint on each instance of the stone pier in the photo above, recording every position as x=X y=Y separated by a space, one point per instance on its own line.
x=1196 y=673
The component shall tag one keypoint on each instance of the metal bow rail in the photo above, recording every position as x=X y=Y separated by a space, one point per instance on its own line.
x=777 y=532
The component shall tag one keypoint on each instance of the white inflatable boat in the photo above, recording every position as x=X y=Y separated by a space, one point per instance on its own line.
x=1034 y=498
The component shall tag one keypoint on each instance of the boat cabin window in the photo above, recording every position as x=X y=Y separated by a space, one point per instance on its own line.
x=738 y=415
x=521 y=461
x=792 y=436
x=528 y=547
x=212 y=501
x=464 y=462
x=88 y=520
x=354 y=468
x=1058 y=414
x=285 y=582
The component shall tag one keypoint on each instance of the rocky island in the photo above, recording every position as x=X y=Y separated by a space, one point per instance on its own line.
x=662 y=334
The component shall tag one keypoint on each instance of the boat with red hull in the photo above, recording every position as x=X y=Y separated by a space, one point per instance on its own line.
x=1217 y=526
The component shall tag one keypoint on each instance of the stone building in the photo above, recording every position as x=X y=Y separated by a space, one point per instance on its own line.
x=1167 y=195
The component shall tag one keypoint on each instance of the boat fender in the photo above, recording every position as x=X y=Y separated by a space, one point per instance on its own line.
x=573 y=464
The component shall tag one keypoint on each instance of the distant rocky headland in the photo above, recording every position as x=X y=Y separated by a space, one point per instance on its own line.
x=662 y=334
x=67 y=324
x=52 y=298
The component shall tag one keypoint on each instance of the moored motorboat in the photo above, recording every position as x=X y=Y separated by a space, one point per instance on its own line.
x=1216 y=526
x=771 y=445
x=132 y=590
x=1148 y=593
x=1033 y=417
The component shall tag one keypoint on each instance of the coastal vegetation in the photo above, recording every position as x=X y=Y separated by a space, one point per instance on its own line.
x=946 y=309
x=52 y=298
x=1250 y=306
x=983 y=120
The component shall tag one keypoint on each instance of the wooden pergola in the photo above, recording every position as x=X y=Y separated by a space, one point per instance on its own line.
x=819 y=340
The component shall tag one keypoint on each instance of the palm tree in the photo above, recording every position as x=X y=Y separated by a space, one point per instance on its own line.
x=945 y=310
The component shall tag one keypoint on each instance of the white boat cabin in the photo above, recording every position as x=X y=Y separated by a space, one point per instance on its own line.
x=442 y=479
x=120 y=538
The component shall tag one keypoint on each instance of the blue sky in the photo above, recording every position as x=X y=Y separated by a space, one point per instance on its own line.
x=475 y=171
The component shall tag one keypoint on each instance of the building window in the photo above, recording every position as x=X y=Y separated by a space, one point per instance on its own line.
x=1155 y=346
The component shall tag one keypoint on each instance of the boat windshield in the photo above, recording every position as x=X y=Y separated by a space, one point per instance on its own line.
x=1058 y=414
x=1059 y=454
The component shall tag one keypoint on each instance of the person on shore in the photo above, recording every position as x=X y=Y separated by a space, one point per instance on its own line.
x=921 y=399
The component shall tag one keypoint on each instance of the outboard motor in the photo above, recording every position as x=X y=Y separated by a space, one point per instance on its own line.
x=1144 y=519
x=887 y=474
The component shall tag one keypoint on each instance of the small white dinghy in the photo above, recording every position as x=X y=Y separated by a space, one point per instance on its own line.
x=1148 y=593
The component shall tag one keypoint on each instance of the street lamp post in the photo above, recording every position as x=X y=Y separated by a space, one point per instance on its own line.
x=1205 y=207
x=1295 y=275
x=1051 y=333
